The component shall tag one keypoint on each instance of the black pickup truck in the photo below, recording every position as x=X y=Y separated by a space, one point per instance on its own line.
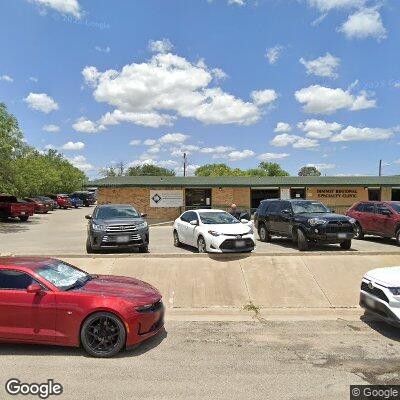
x=304 y=221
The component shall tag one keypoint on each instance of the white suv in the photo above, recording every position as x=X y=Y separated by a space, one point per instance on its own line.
x=380 y=294
x=213 y=231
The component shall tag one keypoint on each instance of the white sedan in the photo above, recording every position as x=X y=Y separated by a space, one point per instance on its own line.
x=213 y=231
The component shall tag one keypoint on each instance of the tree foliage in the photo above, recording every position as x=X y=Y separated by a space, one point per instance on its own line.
x=264 y=169
x=309 y=171
x=149 y=170
x=24 y=171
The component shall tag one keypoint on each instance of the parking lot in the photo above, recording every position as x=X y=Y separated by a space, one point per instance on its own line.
x=64 y=232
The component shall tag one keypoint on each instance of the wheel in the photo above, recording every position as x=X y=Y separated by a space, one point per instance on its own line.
x=23 y=218
x=177 y=242
x=103 y=335
x=76 y=206
x=144 y=249
x=302 y=242
x=89 y=248
x=359 y=234
x=65 y=208
x=201 y=245
x=398 y=237
x=263 y=233
x=346 y=245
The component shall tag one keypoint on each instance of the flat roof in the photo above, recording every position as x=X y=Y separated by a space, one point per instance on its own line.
x=245 y=181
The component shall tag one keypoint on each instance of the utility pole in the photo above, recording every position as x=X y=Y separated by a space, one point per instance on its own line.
x=380 y=167
x=184 y=164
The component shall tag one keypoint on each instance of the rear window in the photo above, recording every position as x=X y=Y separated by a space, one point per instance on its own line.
x=8 y=199
x=396 y=207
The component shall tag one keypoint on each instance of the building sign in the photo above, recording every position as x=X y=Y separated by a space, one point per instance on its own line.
x=285 y=193
x=166 y=198
x=337 y=193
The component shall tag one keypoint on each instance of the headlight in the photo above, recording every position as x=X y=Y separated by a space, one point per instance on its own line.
x=395 y=290
x=142 y=225
x=214 y=233
x=98 y=227
x=352 y=220
x=317 y=221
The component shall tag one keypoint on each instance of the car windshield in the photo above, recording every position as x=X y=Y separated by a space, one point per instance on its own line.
x=301 y=207
x=116 y=213
x=210 y=218
x=396 y=207
x=63 y=275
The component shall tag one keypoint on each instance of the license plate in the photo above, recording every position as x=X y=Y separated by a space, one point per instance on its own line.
x=342 y=235
x=370 y=302
x=122 y=239
x=23 y=213
x=240 y=243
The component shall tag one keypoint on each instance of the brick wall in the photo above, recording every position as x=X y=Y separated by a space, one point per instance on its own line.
x=224 y=197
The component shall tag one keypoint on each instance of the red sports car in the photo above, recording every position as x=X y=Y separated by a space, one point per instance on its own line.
x=48 y=301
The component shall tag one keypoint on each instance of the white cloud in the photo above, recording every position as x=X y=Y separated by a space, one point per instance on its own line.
x=81 y=163
x=187 y=148
x=70 y=7
x=283 y=127
x=135 y=142
x=73 y=146
x=33 y=79
x=41 y=102
x=324 y=66
x=219 y=74
x=322 y=166
x=273 y=54
x=353 y=133
x=154 y=150
x=49 y=147
x=216 y=150
x=105 y=49
x=364 y=23
x=240 y=155
x=160 y=46
x=323 y=100
x=237 y=2
x=272 y=156
x=167 y=163
x=144 y=93
x=87 y=126
x=6 y=78
x=150 y=142
x=51 y=128
x=328 y=5
x=173 y=138
x=318 y=129
x=296 y=141
x=263 y=97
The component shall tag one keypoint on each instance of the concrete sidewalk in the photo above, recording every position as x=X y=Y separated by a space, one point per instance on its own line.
x=198 y=288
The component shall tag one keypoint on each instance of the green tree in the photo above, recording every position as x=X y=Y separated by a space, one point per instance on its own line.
x=218 y=170
x=149 y=170
x=309 y=171
x=272 y=169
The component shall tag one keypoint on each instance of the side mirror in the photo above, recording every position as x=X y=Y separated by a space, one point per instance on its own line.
x=143 y=215
x=88 y=216
x=193 y=222
x=244 y=221
x=387 y=213
x=34 y=288
x=286 y=212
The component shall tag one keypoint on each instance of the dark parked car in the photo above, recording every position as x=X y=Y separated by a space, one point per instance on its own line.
x=117 y=226
x=76 y=201
x=11 y=207
x=40 y=206
x=88 y=198
x=379 y=218
x=50 y=202
x=304 y=221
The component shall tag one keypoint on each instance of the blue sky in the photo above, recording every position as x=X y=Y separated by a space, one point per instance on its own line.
x=236 y=81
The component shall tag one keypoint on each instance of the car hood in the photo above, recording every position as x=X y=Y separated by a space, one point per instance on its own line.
x=135 y=290
x=119 y=221
x=389 y=276
x=230 y=229
x=327 y=216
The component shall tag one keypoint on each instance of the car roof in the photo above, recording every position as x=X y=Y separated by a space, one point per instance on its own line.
x=207 y=210
x=113 y=205
x=31 y=263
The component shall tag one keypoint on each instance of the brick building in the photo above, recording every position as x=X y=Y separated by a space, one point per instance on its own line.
x=164 y=198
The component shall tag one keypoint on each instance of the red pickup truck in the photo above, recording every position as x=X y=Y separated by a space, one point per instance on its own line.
x=10 y=207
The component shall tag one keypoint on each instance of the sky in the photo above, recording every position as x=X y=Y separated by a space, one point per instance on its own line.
x=298 y=82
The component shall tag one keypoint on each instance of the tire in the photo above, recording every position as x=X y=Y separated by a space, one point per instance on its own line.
x=302 y=242
x=177 y=242
x=359 y=234
x=398 y=237
x=346 y=245
x=263 y=233
x=23 y=218
x=103 y=335
x=144 y=249
x=89 y=248
x=201 y=245
x=65 y=208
